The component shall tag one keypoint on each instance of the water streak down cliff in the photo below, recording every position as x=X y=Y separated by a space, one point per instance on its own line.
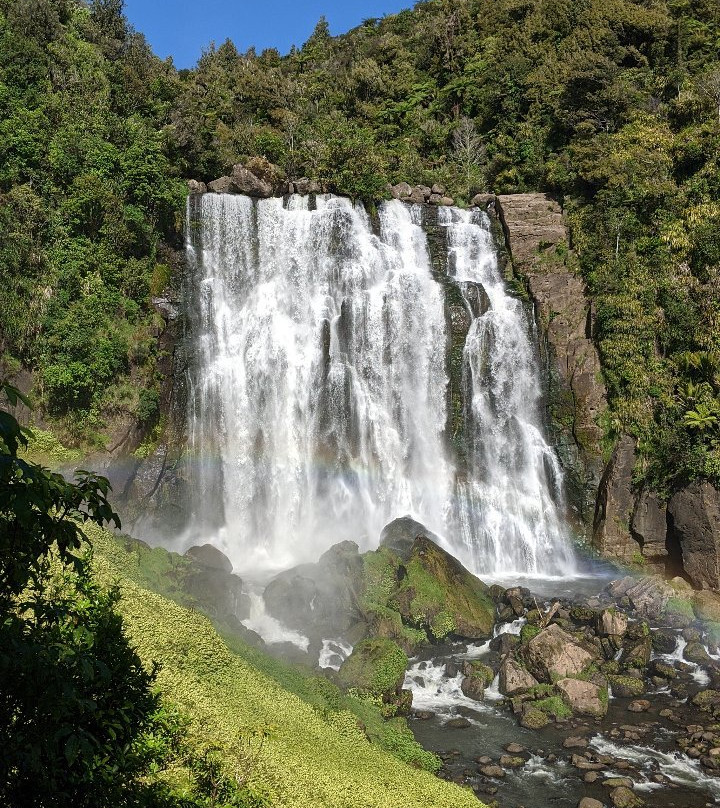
x=318 y=407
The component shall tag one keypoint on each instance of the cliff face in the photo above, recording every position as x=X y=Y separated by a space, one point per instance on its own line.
x=537 y=240
x=677 y=537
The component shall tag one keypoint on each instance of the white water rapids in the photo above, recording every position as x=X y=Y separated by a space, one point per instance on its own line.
x=318 y=389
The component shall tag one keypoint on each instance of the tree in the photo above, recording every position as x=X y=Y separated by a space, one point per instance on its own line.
x=75 y=699
x=468 y=152
x=709 y=86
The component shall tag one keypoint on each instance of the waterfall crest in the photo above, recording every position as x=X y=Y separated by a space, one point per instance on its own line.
x=318 y=388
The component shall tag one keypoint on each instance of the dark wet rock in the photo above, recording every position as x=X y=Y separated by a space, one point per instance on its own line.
x=555 y=653
x=322 y=596
x=648 y=596
x=452 y=669
x=492 y=771
x=638 y=655
x=583 y=763
x=695 y=652
x=649 y=527
x=423 y=715
x=615 y=504
x=513 y=678
x=663 y=641
x=512 y=761
x=400 y=534
x=585 y=698
x=458 y=723
x=210 y=557
x=483 y=200
x=694 y=523
x=504 y=643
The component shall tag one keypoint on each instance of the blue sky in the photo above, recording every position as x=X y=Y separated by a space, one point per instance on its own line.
x=182 y=28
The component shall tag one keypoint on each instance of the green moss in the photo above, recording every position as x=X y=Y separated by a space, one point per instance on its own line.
x=442 y=624
x=380 y=575
x=680 y=606
x=314 y=756
x=527 y=632
x=376 y=667
x=554 y=706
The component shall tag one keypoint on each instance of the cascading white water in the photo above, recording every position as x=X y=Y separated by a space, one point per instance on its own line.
x=318 y=391
x=318 y=407
x=507 y=504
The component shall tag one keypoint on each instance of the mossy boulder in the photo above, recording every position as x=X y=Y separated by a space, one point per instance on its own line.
x=584 y=698
x=638 y=655
x=436 y=593
x=399 y=536
x=626 y=686
x=695 y=652
x=375 y=668
x=533 y=718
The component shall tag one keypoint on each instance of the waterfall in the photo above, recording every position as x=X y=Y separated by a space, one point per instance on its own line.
x=318 y=388
x=509 y=503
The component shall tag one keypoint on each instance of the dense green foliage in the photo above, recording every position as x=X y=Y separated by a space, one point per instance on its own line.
x=86 y=195
x=612 y=105
x=316 y=750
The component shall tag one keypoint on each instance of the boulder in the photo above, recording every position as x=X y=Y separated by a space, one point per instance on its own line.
x=209 y=556
x=196 y=187
x=638 y=655
x=436 y=593
x=319 y=596
x=639 y=706
x=589 y=802
x=555 y=653
x=612 y=622
x=706 y=605
x=420 y=194
x=375 y=668
x=473 y=687
x=243 y=181
x=513 y=678
x=400 y=534
x=401 y=191
x=438 y=189
x=626 y=686
x=695 y=652
x=694 y=523
x=532 y=718
x=434 y=199
x=483 y=200
x=585 y=698
x=222 y=185
x=446 y=201
x=615 y=505
x=623 y=797
x=648 y=595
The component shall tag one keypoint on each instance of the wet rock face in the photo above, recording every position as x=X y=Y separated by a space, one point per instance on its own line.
x=555 y=653
x=694 y=522
x=400 y=534
x=615 y=505
x=319 y=595
x=536 y=235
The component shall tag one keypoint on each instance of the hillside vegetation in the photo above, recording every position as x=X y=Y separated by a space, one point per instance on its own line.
x=314 y=754
x=611 y=105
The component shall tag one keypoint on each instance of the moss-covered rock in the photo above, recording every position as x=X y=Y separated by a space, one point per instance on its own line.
x=626 y=686
x=375 y=668
x=438 y=594
x=533 y=718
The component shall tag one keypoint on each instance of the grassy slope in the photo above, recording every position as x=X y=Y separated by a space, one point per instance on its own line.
x=312 y=759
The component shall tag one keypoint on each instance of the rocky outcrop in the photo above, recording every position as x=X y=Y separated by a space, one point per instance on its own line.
x=649 y=527
x=615 y=505
x=320 y=596
x=554 y=653
x=514 y=679
x=399 y=536
x=537 y=238
x=420 y=194
x=694 y=523
x=375 y=668
x=584 y=698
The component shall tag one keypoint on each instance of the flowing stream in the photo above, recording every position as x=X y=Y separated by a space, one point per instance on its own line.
x=318 y=390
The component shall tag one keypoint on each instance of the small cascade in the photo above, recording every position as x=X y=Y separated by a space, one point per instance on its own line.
x=510 y=502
